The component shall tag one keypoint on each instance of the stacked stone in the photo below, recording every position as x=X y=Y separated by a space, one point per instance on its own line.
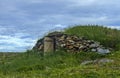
x=72 y=43
x=78 y=44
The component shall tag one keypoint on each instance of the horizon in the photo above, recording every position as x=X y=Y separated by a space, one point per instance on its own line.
x=22 y=22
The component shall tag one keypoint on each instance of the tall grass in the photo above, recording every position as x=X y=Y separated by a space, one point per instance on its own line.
x=59 y=64
x=106 y=36
x=30 y=61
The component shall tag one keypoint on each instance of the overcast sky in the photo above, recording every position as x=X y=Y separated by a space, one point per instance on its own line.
x=22 y=22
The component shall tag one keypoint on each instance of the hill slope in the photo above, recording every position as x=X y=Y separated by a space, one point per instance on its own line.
x=107 y=36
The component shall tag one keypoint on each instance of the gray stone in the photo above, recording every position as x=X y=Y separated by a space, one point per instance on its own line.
x=105 y=60
x=63 y=45
x=94 y=45
x=87 y=62
x=81 y=47
x=102 y=50
x=93 y=50
x=97 y=61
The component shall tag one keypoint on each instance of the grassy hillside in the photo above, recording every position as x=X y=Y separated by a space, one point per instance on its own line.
x=107 y=36
x=60 y=64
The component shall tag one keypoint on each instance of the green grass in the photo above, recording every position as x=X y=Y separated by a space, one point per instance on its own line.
x=60 y=64
x=106 y=36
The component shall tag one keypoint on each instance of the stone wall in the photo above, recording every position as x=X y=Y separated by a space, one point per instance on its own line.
x=72 y=43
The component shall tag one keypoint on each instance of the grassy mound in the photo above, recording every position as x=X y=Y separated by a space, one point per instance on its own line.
x=107 y=36
x=59 y=64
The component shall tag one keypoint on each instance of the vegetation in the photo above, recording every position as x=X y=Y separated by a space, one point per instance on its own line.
x=106 y=36
x=60 y=64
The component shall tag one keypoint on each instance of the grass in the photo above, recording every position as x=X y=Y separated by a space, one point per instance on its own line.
x=106 y=36
x=60 y=64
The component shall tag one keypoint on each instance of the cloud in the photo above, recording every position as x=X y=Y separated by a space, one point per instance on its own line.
x=30 y=19
x=59 y=25
x=88 y=3
x=12 y=43
x=114 y=27
x=77 y=3
x=39 y=12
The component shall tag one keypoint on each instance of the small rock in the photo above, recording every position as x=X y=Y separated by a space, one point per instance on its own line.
x=70 y=47
x=93 y=50
x=97 y=61
x=63 y=45
x=103 y=51
x=41 y=47
x=94 y=45
x=105 y=60
x=87 y=62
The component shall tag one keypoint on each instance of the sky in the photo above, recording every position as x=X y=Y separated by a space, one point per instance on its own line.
x=23 y=22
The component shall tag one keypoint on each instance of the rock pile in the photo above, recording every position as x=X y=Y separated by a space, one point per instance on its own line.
x=72 y=43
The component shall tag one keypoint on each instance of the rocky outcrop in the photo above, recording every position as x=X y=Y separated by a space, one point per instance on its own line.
x=72 y=43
